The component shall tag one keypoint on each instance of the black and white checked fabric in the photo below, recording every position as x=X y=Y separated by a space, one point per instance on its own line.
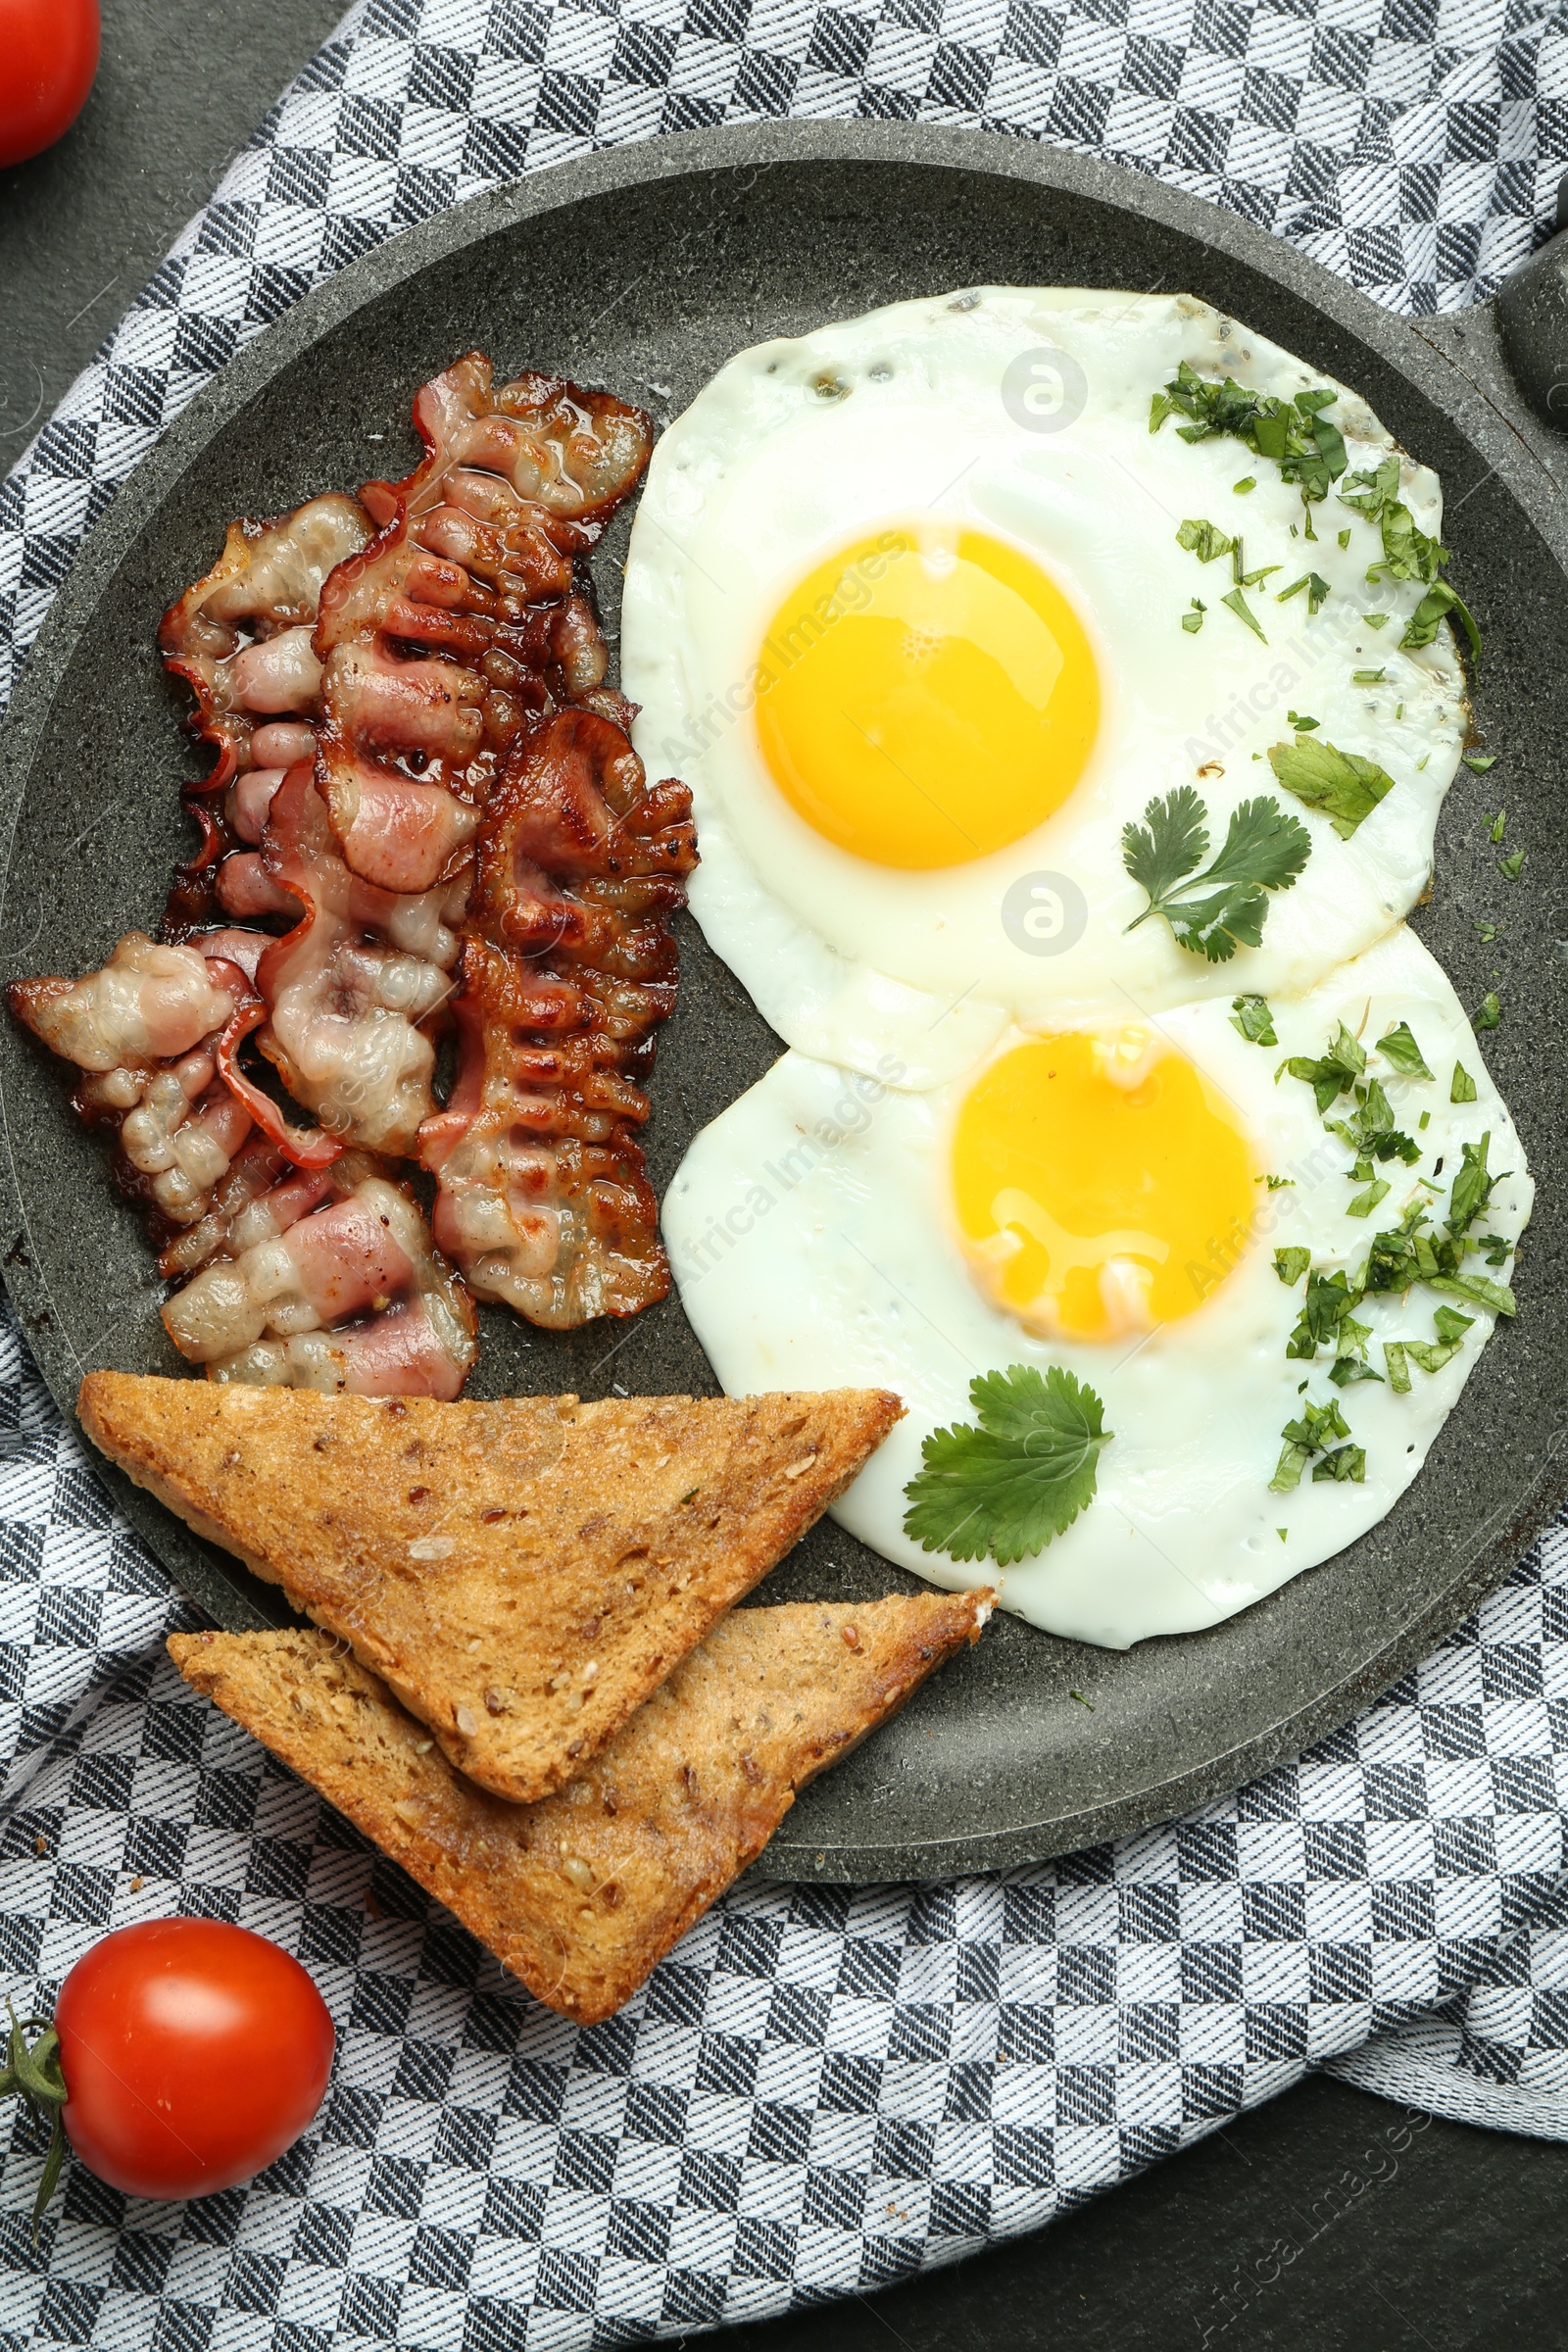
x=822 y=2091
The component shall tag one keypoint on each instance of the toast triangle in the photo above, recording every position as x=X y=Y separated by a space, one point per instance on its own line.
x=522 y=1574
x=581 y=1895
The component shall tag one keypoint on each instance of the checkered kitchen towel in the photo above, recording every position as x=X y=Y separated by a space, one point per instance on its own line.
x=823 y=2089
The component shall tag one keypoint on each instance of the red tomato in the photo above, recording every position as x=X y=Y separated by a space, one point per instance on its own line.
x=193 y=2053
x=50 y=49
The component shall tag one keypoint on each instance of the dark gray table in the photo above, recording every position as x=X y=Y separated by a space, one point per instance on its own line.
x=1381 y=2233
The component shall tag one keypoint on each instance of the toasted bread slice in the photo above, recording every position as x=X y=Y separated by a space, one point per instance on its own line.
x=581 y=1895
x=522 y=1574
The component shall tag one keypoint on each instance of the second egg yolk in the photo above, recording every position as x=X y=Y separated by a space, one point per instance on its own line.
x=925 y=705
x=1102 y=1184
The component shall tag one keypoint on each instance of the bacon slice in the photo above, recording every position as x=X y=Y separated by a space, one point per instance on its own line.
x=543 y=1197
x=240 y=637
x=459 y=625
x=346 y=1294
x=144 y=1033
x=349 y=986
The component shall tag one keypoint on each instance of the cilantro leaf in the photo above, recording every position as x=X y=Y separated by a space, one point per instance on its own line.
x=1399 y=1048
x=1226 y=905
x=1291 y=1264
x=1488 y=1012
x=1343 y=785
x=1334 y=1073
x=1252 y=1016
x=1344 y=1462
x=1463 y=1088
x=1004 y=1490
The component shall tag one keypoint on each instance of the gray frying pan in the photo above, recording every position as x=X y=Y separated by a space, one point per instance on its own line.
x=649 y=267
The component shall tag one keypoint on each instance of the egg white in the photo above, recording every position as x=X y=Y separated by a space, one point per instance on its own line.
x=796 y=448
x=813 y=1238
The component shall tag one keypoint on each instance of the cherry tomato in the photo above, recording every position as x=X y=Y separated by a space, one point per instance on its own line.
x=50 y=49
x=193 y=2053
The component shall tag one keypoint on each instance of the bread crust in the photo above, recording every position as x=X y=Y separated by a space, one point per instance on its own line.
x=522 y=1574
x=582 y=1893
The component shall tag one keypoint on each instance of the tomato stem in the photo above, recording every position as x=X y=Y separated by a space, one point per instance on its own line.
x=35 y=2074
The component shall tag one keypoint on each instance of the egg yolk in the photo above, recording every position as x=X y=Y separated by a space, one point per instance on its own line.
x=925 y=705
x=1102 y=1184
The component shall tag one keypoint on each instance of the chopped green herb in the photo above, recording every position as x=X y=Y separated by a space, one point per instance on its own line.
x=1424 y=1122
x=1280 y=1184
x=1400 y=1048
x=1478 y=1289
x=1366 y=1201
x=1306 y=448
x=1498 y=825
x=1237 y=602
x=1213 y=913
x=1282 y=1533
x=1439 y=600
x=1344 y=539
x=1428 y=1355
x=1370 y=1131
x=1421 y=763
x=1367 y=677
x=1472 y=1188
x=1318 y=590
x=1487 y=931
x=1508 y=867
x=1252 y=1018
x=1302 y=723
x=1376 y=620
x=1343 y=785
x=1082 y=1702
x=1480 y=762
x=1344 y=1462
x=1291 y=1264
x=1311 y=1434
x=1248 y=481
x=1334 y=1073
x=1204 y=540
x=1192 y=621
x=1463 y=1088
x=1489 y=1012
x=1004 y=1490
x=1409 y=553
x=1329 y=1301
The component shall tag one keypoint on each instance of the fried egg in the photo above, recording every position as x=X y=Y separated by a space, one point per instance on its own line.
x=905 y=605
x=1140 y=1200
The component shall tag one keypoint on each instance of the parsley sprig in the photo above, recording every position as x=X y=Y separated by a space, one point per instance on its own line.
x=1003 y=1489
x=1214 y=911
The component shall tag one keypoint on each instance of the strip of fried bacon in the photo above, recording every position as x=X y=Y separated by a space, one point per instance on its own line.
x=240 y=638
x=568 y=969
x=332 y=1284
